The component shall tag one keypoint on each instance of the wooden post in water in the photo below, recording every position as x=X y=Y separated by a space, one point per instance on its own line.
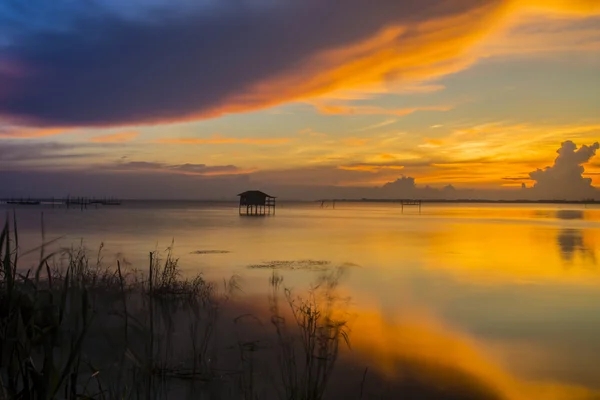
x=410 y=203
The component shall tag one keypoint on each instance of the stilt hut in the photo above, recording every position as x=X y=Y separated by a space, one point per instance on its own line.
x=255 y=202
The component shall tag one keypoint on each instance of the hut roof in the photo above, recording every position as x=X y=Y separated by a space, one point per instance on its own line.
x=255 y=193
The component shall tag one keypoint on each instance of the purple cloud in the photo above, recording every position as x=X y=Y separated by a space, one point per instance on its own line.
x=70 y=63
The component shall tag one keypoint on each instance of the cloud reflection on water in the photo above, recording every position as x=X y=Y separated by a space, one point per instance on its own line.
x=571 y=242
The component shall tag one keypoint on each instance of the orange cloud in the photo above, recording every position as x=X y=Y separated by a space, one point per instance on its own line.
x=440 y=47
x=391 y=55
x=488 y=152
x=386 y=156
x=28 y=133
x=370 y=167
x=216 y=139
x=432 y=143
x=550 y=34
x=576 y=7
x=373 y=110
x=121 y=137
x=371 y=91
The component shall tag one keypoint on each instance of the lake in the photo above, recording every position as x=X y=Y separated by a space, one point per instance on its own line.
x=507 y=293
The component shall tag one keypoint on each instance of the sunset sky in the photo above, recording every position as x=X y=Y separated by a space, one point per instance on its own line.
x=307 y=98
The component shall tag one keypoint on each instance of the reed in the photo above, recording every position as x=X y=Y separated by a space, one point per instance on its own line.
x=318 y=326
x=74 y=328
x=43 y=324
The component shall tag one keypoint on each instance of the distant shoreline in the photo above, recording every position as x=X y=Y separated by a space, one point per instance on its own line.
x=466 y=201
x=48 y=202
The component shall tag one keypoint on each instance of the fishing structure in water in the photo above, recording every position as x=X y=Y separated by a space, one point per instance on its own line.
x=66 y=202
x=256 y=203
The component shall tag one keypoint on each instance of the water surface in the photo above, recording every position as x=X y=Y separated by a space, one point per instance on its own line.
x=510 y=293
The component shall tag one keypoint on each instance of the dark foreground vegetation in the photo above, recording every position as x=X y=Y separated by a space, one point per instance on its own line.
x=73 y=328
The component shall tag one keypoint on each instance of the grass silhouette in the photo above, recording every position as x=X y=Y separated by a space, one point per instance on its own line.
x=79 y=329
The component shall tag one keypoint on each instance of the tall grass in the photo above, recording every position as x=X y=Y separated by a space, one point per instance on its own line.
x=73 y=328
x=43 y=324
x=319 y=327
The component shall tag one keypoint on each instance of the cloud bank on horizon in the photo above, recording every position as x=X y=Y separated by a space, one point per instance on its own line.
x=563 y=180
x=103 y=63
x=566 y=175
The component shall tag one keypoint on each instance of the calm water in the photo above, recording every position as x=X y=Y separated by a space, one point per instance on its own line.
x=510 y=293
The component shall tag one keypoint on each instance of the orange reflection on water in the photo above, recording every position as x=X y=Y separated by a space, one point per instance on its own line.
x=478 y=244
x=423 y=349
x=511 y=252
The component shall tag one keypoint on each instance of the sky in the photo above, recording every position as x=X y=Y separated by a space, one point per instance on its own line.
x=305 y=99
